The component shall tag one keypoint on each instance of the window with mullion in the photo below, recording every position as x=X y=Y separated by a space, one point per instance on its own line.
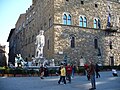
x=85 y=22
x=95 y=23
x=69 y=20
x=81 y=22
x=65 y=19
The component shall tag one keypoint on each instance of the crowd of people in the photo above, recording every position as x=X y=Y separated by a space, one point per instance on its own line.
x=66 y=73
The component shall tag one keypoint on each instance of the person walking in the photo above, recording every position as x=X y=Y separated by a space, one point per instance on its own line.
x=68 y=72
x=41 y=72
x=97 y=69
x=92 y=75
x=86 y=66
x=73 y=70
x=62 y=75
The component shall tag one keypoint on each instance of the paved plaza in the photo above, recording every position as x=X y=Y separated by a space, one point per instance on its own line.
x=106 y=82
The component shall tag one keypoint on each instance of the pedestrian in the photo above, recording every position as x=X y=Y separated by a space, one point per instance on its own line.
x=46 y=73
x=73 y=70
x=92 y=75
x=62 y=75
x=68 y=72
x=59 y=72
x=41 y=72
x=97 y=69
x=86 y=66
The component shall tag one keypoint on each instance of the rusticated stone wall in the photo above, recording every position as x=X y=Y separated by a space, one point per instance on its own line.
x=84 y=37
x=49 y=17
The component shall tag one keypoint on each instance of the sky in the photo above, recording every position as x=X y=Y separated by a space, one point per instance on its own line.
x=10 y=11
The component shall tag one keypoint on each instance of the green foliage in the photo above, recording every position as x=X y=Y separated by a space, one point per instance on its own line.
x=52 y=71
x=2 y=68
x=16 y=71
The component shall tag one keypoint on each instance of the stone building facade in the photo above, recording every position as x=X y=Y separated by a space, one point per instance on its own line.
x=29 y=34
x=74 y=29
x=12 y=45
x=3 y=59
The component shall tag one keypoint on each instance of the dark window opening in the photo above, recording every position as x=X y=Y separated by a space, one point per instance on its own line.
x=82 y=2
x=99 y=52
x=72 y=42
x=48 y=45
x=67 y=0
x=96 y=43
x=111 y=60
x=110 y=45
x=96 y=5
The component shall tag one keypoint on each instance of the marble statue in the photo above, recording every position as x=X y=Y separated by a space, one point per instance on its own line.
x=82 y=61
x=40 y=42
x=19 y=61
x=52 y=63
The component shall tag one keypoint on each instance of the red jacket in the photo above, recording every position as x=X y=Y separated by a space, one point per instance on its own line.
x=86 y=66
x=68 y=69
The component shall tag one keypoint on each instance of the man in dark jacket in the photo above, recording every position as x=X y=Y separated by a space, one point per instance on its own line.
x=41 y=72
x=92 y=75
x=97 y=69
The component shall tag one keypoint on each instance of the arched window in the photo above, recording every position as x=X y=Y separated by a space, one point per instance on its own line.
x=65 y=19
x=99 y=24
x=72 y=42
x=69 y=20
x=85 y=22
x=81 y=22
x=95 y=23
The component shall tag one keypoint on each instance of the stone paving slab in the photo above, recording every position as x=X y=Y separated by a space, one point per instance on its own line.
x=106 y=82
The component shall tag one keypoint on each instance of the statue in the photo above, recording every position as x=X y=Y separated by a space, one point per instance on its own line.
x=45 y=63
x=40 y=42
x=19 y=61
x=82 y=61
x=33 y=62
x=52 y=63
